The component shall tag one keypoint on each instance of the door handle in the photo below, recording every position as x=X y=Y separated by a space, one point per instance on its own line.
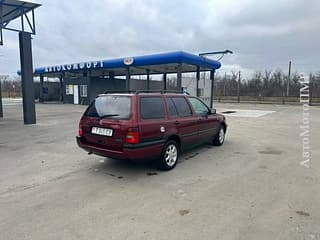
x=176 y=122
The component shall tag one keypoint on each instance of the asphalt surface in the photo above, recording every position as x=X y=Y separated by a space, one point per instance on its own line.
x=252 y=187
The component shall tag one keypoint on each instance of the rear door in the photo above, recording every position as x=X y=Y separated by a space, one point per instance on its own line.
x=182 y=120
x=106 y=121
x=152 y=120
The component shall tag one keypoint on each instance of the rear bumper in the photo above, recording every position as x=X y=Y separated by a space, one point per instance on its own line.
x=128 y=152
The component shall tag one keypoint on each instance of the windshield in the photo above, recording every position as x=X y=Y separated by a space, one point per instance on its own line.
x=116 y=107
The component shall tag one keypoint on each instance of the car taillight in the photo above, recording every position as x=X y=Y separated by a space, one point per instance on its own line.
x=133 y=136
x=80 y=130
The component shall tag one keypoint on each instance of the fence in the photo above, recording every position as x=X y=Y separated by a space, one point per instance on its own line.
x=264 y=88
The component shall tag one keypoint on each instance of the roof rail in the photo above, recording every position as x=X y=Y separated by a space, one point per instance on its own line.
x=158 y=91
x=143 y=91
x=118 y=91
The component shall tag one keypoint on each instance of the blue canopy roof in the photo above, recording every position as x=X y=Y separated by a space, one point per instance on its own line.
x=155 y=63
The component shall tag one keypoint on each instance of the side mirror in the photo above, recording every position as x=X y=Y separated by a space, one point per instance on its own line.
x=213 y=111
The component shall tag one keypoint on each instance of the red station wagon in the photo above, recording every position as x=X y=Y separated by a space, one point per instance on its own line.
x=143 y=125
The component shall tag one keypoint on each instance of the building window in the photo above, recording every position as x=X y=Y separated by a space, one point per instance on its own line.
x=83 y=90
x=69 y=89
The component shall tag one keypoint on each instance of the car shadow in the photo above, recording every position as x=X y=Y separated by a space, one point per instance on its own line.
x=126 y=169
x=136 y=169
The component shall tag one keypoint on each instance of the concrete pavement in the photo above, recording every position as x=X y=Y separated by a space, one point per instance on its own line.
x=253 y=187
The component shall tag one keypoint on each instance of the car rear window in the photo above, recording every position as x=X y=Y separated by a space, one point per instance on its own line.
x=116 y=107
x=152 y=108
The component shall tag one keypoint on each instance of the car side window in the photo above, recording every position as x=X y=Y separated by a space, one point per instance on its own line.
x=172 y=108
x=152 y=108
x=182 y=106
x=198 y=106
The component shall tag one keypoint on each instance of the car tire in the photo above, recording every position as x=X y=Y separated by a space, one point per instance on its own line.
x=169 y=156
x=219 y=138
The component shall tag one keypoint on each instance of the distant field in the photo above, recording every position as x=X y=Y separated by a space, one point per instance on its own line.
x=12 y=94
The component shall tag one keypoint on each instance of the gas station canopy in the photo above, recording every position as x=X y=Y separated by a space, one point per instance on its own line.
x=9 y=11
x=13 y=9
x=171 y=62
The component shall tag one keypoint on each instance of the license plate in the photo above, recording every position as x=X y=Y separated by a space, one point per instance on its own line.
x=102 y=131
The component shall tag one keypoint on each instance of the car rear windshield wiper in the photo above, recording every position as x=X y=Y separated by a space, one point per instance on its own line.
x=109 y=115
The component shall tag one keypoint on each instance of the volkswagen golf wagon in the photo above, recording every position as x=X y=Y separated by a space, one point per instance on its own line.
x=153 y=125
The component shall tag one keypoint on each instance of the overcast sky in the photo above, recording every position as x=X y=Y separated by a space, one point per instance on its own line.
x=262 y=34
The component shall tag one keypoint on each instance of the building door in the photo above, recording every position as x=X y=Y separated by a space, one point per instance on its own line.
x=75 y=94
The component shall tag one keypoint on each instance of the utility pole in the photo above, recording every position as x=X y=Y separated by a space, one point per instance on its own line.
x=1 y=111
x=311 y=87
x=288 y=81
x=212 y=87
x=224 y=83
x=198 y=79
x=239 y=86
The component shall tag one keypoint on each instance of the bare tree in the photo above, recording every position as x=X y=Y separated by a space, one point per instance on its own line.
x=11 y=86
